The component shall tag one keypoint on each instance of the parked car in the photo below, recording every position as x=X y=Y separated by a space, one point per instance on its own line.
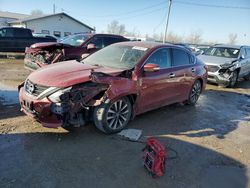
x=227 y=63
x=185 y=45
x=13 y=39
x=71 y=47
x=113 y=85
x=44 y=35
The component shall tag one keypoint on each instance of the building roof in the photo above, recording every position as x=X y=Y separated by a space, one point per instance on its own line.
x=31 y=18
x=5 y=14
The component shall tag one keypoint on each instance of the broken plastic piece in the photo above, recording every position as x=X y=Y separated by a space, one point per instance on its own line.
x=131 y=134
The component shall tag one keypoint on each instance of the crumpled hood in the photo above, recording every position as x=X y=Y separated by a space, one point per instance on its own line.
x=67 y=73
x=215 y=60
x=42 y=45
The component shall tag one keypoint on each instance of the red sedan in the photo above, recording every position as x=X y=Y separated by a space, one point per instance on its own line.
x=113 y=85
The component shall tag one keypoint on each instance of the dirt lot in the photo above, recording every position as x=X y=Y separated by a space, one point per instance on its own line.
x=212 y=140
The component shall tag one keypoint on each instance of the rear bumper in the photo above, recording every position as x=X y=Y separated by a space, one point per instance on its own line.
x=40 y=110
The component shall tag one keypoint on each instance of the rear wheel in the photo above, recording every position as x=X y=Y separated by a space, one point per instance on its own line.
x=114 y=116
x=194 y=93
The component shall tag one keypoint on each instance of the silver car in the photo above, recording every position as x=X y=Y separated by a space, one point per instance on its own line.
x=227 y=63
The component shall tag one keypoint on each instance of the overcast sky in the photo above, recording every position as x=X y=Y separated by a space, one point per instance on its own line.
x=214 y=19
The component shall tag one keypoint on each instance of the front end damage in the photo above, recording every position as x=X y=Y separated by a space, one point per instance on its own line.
x=39 y=57
x=73 y=106
x=222 y=74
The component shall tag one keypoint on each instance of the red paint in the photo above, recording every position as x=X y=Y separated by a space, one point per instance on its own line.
x=150 y=89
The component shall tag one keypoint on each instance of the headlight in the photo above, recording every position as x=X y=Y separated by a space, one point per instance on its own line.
x=55 y=97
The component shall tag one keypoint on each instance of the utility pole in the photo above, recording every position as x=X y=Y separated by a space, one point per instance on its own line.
x=166 y=30
x=54 y=8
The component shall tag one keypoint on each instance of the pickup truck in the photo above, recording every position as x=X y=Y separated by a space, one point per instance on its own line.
x=13 y=39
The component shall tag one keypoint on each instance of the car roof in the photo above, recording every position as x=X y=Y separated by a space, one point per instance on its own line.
x=230 y=46
x=145 y=44
x=98 y=34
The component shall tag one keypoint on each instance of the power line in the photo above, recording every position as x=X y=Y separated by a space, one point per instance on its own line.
x=211 y=5
x=124 y=13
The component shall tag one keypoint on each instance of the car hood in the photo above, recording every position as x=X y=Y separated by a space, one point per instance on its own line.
x=215 y=60
x=67 y=73
x=42 y=45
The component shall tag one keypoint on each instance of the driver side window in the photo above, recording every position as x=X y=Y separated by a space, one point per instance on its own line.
x=161 y=57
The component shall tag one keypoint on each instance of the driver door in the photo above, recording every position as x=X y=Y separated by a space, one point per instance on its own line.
x=157 y=88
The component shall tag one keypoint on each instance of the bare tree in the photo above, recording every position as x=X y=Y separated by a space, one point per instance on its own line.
x=232 y=38
x=174 y=38
x=194 y=37
x=115 y=28
x=37 y=12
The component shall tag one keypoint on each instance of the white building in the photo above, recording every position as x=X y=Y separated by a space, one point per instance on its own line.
x=6 y=17
x=59 y=25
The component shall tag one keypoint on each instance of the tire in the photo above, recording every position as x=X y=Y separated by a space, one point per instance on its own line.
x=247 y=77
x=114 y=116
x=233 y=79
x=194 y=93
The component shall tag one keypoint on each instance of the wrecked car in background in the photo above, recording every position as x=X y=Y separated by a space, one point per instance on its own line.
x=113 y=85
x=227 y=63
x=71 y=47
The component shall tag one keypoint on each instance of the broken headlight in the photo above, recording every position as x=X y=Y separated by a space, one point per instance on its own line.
x=55 y=97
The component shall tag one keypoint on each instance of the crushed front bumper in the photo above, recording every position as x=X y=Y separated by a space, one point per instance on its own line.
x=40 y=110
x=30 y=65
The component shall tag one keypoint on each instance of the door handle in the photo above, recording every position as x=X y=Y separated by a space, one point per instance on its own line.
x=171 y=75
x=193 y=69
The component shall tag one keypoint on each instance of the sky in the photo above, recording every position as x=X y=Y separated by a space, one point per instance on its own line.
x=214 y=21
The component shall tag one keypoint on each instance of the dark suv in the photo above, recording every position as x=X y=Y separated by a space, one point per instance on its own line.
x=72 y=47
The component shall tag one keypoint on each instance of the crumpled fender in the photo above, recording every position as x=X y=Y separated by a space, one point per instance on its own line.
x=118 y=86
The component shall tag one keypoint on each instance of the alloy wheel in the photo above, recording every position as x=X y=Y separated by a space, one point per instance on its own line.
x=117 y=115
x=196 y=91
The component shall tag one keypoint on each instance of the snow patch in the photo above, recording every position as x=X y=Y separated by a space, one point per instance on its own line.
x=8 y=94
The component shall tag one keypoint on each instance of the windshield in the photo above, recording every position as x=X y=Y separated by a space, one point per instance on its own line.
x=75 y=40
x=120 y=57
x=222 y=52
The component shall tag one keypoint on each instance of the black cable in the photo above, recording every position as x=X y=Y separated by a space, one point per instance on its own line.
x=168 y=148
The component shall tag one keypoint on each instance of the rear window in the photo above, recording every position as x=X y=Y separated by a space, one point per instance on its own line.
x=180 y=57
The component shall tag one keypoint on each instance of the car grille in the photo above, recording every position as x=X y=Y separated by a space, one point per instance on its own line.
x=213 y=68
x=34 y=89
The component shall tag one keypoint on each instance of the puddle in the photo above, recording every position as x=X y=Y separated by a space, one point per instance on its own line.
x=8 y=94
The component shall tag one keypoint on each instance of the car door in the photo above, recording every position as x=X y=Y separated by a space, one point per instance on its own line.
x=184 y=68
x=158 y=88
x=243 y=62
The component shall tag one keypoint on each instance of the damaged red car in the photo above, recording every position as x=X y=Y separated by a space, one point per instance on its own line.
x=113 y=85
x=72 y=47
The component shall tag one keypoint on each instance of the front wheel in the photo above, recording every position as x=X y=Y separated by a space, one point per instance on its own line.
x=194 y=93
x=233 y=79
x=113 y=116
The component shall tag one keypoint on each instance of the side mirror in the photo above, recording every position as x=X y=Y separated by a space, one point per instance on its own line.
x=151 y=67
x=91 y=46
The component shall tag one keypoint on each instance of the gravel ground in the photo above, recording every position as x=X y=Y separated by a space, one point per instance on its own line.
x=212 y=140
